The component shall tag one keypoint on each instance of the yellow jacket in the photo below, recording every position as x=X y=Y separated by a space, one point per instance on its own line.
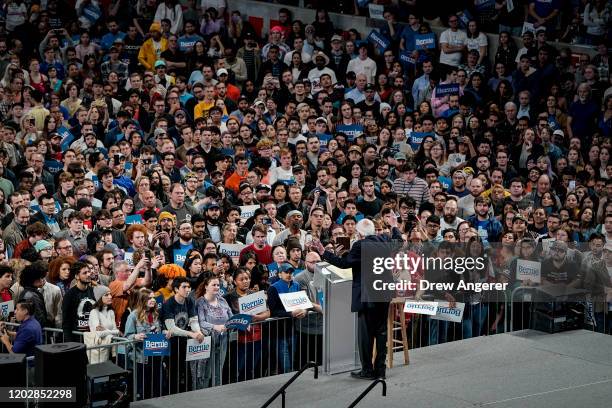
x=147 y=55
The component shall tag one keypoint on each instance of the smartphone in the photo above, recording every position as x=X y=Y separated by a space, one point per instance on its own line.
x=344 y=241
x=267 y=221
x=572 y=185
x=116 y=159
x=146 y=162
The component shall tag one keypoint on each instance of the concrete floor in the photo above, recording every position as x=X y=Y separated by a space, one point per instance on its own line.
x=523 y=369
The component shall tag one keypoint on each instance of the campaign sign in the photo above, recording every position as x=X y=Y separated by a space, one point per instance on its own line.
x=546 y=244
x=6 y=308
x=528 y=270
x=416 y=138
x=134 y=219
x=482 y=5
x=376 y=11
x=464 y=18
x=156 y=345
x=379 y=40
x=351 y=131
x=253 y=304
x=247 y=211
x=447 y=89
x=425 y=308
x=405 y=58
x=425 y=41
x=67 y=137
x=295 y=300
x=239 y=322
x=129 y=258
x=445 y=312
x=197 y=350
x=231 y=250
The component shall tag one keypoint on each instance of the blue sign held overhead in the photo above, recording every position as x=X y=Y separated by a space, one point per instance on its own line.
x=134 y=219
x=425 y=41
x=379 y=40
x=156 y=345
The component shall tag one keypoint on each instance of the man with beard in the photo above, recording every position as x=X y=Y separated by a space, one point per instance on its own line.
x=294 y=222
x=119 y=227
x=213 y=225
x=151 y=49
x=314 y=75
x=449 y=218
x=560 y=267
x=16 y=230
x=177 y=252
x=466 y=203
x=78 y=302
x=177 y=205
x=295 y=198
x=489 y=228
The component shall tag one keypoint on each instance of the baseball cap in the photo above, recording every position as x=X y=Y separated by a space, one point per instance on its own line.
x=159 y=63
x=222 y=71
x=276 y=29
x=336 y=37
x=355 y=149
x=212 y=204
x=559 y=132
x=263 y=187
x=400 y=156
x=369 y=87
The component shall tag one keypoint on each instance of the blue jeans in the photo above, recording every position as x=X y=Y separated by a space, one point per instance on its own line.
x=438 y=331
x=474 y=319
x=284 y=353
x=213 y=366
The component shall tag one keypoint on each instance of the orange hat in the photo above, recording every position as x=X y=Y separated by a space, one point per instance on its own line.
x=155 y=26
x=171 y=271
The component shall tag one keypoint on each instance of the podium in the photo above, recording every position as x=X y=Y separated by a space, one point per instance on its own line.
x=333 y=286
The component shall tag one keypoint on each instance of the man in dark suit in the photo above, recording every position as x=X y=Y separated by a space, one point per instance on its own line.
x=371 y=316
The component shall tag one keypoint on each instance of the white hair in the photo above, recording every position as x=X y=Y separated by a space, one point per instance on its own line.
x=365 y=228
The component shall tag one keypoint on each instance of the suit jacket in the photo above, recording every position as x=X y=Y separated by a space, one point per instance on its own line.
x=353 y=260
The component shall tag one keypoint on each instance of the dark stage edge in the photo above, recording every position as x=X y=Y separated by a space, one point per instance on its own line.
x=522 y=369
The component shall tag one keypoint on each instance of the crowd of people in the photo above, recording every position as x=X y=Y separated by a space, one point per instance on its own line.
x=159 y=160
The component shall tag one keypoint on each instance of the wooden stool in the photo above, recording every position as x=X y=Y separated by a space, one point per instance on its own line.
x=397 y=307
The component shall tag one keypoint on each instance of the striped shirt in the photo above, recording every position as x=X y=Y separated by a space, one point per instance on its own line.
x=417 y=189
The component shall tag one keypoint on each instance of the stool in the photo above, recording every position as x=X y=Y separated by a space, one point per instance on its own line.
x=397 y=307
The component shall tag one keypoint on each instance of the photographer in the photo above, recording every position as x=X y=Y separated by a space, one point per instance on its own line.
x=28 y=334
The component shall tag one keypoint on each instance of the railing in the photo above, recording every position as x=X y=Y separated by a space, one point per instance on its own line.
x=367 y=390
x=283 y=390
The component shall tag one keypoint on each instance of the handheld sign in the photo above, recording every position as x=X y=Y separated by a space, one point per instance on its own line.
x=351 y=131
x=253 y=304
x=67 y=137
x=447 y=89
x=239 y=322
x=425 y=41
x=546 y=244
x=379 y=40
x=6 y=308
x=134 y=219
x=528 y=270
x=416 y=138
x=247 y=211
x=419 y=307
x=197 y=350
x=231 y=250
x=295 y=300
x=445 y=312
x=156 y=345
x=376 y=11
x=405 y=58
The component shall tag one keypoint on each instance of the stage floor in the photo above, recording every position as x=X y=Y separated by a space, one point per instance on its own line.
x=522 y=369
